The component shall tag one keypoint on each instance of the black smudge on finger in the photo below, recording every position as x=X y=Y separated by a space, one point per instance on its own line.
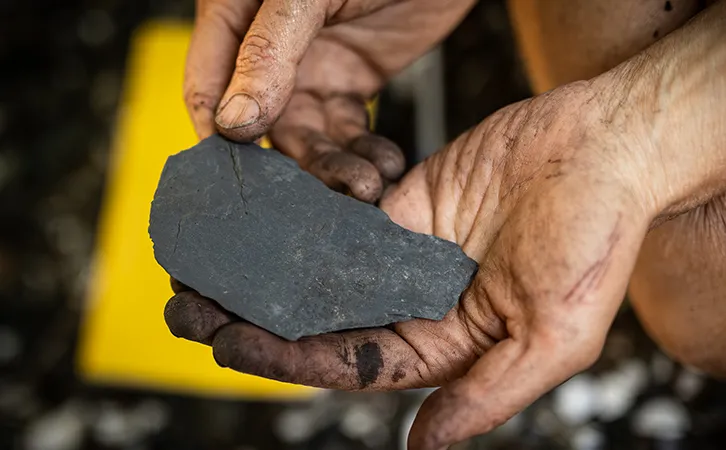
x=369 y=363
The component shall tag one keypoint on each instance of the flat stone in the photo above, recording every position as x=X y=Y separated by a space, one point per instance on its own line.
x=246 y=227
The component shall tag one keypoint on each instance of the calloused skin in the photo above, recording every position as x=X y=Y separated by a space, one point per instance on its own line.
x=554 y=197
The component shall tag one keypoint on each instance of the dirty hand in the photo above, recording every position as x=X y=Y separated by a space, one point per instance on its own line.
x=302 y=70
x=547 y=198
x=553 y=197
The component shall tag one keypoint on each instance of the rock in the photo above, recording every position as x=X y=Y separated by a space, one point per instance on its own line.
x=269 y=242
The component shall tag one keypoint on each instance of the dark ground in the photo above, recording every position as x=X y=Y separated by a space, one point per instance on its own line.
x=62 y=68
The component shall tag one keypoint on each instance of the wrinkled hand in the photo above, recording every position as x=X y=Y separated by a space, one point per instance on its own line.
x=312 y=65
x=549 y=201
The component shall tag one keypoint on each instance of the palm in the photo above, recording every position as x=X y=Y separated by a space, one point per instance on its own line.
x=517 y=201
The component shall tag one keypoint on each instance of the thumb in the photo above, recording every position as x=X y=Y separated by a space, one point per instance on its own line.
x=266 y=66
x=502 y=383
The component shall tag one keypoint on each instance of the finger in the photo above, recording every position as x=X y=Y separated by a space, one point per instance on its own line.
x=348 y=127
x=300 y=134
x=193 y=317
x=266 y=66
x=503 y=382
x=218 y=31
x=320 y=156
x=338 y=169
x=384 y=154
x=374 y=359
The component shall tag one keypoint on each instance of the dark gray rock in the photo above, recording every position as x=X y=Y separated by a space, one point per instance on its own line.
x=248 y=228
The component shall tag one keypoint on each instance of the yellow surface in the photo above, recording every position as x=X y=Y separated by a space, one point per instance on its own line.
x=124 y=340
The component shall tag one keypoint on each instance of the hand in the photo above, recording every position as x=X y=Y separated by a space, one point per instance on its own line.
x=312 y=64
x=550 y=202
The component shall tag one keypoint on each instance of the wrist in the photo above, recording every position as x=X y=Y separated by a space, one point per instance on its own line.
x=666 y=108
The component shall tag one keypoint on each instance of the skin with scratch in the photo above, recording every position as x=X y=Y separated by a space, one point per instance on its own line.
x=553 y=197
x=305 y=82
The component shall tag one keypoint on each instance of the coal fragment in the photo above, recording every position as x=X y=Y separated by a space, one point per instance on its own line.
x=246 y=227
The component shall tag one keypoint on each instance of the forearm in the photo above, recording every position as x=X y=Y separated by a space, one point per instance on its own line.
x=670 y=103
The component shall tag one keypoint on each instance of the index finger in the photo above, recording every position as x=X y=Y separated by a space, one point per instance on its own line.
x=219 y=28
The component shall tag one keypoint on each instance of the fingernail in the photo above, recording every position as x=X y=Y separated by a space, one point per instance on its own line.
x=239 y=111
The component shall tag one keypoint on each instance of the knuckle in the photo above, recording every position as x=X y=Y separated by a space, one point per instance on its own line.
x=227 y=352
x=256 y=49
x=320 y=157
x=248 y=354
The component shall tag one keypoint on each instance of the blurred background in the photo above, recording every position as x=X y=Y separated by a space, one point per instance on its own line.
x=68 y=377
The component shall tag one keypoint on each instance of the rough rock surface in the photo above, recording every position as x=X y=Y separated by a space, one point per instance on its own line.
x=245 y=226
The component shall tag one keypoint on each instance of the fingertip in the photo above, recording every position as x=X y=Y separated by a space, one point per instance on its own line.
x=340 y=169
x=385 y=155
x=239 y=110
x=190 y=316
x=252 y=133
x=366 y=189
x=362 y=178
x=240 y=118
